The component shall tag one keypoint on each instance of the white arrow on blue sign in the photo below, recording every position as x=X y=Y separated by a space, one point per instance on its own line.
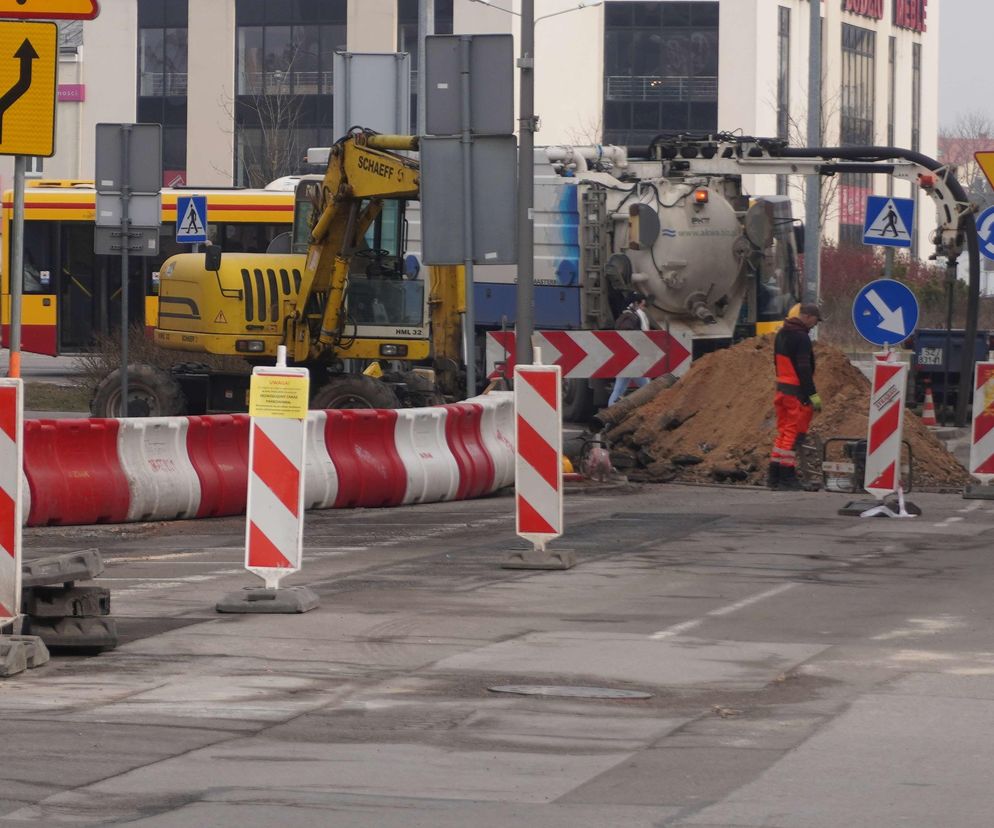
x=985 y=232
x=885 y=312
x=889 y=221
x=191 y=219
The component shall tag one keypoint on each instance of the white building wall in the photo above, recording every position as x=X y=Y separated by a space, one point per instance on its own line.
x=210 y=136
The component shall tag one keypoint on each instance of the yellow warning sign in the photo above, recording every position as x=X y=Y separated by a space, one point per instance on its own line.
x=278 y=395
x=219 y=319
x=985 y=160
x=50 y=9
x=28 y=55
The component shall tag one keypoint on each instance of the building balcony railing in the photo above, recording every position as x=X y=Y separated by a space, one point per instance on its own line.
x=163 y=84
x=675 y=88
x=285 y=83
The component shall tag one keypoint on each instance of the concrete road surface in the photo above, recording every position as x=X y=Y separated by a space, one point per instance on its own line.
x=803 y=670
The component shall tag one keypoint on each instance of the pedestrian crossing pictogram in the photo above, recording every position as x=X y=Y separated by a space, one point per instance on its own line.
x=889 y=221
x=191 y=219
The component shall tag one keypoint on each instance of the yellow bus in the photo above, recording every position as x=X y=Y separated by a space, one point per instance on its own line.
x=72 y=295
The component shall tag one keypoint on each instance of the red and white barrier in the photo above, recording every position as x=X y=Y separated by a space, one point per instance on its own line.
x=598 y=354
x=11 y=460
x=885 y=429
x=982 y=435
x=274 y=515
x=197 y=466
x=162 y=482
x=538 y=436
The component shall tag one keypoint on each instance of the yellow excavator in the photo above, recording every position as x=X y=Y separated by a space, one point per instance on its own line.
x=346 y=300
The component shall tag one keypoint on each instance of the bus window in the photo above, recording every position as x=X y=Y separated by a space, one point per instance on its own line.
x=40 y=263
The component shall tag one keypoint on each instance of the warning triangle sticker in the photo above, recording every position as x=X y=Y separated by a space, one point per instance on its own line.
x=192 y=224
x=888 y=224
x=219 y=319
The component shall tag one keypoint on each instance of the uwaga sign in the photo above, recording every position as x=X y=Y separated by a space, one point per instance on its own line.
x=908 y=14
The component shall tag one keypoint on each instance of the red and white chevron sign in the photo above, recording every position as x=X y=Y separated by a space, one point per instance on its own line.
x=274 y=531
x=598 y=354
x=11 y=462
x=982 y=443
x=885 y=429
x=538 y=441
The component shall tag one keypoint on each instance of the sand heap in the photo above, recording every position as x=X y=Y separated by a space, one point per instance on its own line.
x=717 y=422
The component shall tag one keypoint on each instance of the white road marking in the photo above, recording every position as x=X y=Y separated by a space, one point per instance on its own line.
x=728 y=609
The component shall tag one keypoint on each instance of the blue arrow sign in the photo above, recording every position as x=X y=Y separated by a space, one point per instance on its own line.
x=985 y=232
x=889 y=221
x=191 y=219
x=885 y=312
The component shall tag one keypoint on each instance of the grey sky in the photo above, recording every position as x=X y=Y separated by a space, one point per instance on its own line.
x=965 y=33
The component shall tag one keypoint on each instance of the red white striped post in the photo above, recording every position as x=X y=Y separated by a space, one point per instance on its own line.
x=538 y=468
x=274 y=513
x=885 y=431
x=11 y=496
x=982 y=434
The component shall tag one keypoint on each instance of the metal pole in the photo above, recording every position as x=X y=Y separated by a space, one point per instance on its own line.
x=812 y=193
x=426 y=26
x=525 y=325
x=16 y=275
x=469 y=318
x=946 y=355
x=125 y=243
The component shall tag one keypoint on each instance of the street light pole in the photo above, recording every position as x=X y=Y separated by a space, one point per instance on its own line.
x=525 y=325
x=812 y=192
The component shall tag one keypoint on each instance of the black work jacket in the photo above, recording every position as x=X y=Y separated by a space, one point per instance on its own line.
x=794 y=360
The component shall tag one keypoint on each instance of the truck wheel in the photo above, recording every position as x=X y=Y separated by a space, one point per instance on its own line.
x=355 y=392
x=578 y=401
x=151 y=393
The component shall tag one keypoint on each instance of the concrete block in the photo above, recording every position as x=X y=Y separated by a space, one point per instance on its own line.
x=978 y=491
x=37 y=652
x=61 y=569
x=13 y=657
x=76 y=633
x=66 y=602
x=540 y=559
x=262 y=600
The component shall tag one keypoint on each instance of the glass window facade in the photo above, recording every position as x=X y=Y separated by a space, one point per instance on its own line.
x=284 y=83
x=857 y=110
x=162 y=79
x=660 y=69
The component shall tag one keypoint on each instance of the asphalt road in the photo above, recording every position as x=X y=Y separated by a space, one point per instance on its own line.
x=804 y=670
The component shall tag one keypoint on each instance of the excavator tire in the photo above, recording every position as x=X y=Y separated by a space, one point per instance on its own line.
x=354 y=392
x=152 y=392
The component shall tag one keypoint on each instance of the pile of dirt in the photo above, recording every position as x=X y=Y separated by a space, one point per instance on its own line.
x=717 y=422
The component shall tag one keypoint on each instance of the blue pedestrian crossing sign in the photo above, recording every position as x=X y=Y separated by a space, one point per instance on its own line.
x=889 y=221
x=885 y=312
x=191 y=219
x=985 y=232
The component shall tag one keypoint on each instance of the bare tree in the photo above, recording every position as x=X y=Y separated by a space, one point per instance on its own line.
x=971 y=132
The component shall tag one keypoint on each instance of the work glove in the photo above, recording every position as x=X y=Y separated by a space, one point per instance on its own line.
x=815 y=400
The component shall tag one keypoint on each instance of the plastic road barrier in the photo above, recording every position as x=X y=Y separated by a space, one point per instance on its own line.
x=218 y=449
x=885 y=429
x=432 y=473
x=982 y=436
x=274 y=524
x=538 y=476
x=161 y=479
x=11 y=461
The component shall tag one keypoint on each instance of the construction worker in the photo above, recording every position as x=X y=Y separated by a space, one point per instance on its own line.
x=796 y=398
x=632 y=318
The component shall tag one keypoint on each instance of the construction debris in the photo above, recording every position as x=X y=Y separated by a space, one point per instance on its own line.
x=717 y=423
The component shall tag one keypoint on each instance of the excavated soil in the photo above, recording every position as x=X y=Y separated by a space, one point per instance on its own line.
x=717 y=423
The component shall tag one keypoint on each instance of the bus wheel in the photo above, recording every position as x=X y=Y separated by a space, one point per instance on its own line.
x=151 y=393
x=354 y=392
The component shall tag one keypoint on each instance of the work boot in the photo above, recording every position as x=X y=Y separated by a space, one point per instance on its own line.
x=788 y=480
x=773 y=476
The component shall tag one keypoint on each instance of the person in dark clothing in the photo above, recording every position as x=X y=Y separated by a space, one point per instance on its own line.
x=796 y=397
x=632 y=318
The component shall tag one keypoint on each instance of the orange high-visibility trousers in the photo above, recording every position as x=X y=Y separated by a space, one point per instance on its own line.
x=793 y=418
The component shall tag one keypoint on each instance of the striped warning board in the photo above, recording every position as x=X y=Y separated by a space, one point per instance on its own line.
x=538 y=471
x=275 y=514
x=11 y=462
x=982 y=442
x=885 y=429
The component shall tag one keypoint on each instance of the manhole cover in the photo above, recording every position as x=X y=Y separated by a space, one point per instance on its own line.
x=576 y=692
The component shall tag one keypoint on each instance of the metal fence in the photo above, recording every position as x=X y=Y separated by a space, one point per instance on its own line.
x=675 y=88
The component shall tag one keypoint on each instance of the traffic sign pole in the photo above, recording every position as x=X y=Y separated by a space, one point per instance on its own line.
x=16 y=274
